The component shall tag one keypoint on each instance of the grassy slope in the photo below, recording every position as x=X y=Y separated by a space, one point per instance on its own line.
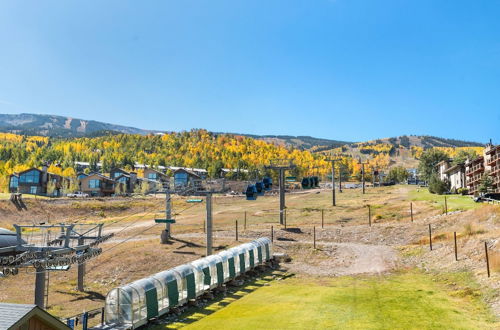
x=404 y=301
x=455 y=202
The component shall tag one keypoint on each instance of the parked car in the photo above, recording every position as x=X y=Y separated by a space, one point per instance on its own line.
x=78 y=194
x=486 y=197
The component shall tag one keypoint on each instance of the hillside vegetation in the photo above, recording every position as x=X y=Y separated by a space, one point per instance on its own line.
x=200 y=149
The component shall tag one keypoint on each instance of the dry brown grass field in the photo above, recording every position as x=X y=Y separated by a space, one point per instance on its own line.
x=346 y=245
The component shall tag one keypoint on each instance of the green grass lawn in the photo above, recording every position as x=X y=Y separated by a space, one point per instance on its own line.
x=409 y=300
x=455 y=202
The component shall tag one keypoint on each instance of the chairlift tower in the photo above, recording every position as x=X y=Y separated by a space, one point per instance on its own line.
x=199 y=191
x=281 y=165
x=363 y=172
x=70 y=244
x=332 y=160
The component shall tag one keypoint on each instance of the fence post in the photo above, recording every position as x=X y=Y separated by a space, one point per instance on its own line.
x=245 y=221
x=272 y=234
x=322 y=218
x=102 y=316
x=236 y=230
x=369 y=215
x=445 y=205
x=411 y=211
x=430 y=237
x=285 y=219
x=85 y=320
x=455 y=238
x=314 y=237
x=487 y=259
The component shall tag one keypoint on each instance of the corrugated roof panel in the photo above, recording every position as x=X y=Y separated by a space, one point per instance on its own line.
x=11 y=313
x=4 y=231
x=8 y=240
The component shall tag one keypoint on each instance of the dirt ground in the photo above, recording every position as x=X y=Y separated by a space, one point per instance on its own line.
x=346 y=245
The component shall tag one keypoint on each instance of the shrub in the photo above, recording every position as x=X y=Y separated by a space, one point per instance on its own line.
x=437 y=186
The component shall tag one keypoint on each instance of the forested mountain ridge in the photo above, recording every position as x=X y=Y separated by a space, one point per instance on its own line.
x=68 y=127
x=60 y=126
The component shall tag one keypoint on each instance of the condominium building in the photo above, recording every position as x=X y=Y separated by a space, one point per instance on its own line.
x=488 y=163
x=492 y=158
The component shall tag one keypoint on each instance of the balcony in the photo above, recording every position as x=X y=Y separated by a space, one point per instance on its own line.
x=494 y=158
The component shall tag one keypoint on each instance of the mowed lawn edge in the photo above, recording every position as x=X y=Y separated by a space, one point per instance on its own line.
x=455 y=202
x=409 y=300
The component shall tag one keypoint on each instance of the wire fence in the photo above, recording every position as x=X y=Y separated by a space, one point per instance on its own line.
x=312 y=218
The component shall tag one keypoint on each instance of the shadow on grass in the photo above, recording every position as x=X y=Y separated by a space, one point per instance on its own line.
x=90 y=295
x=221 y=300
x=186 y=243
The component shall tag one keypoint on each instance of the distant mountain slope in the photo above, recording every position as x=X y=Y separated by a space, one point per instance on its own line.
x=59 y=126
x=301 y=142
x=425 y=142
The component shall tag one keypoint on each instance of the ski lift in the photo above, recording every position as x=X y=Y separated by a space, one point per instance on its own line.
x=260 y=188
x=251 y=192
x=307 y=183
x=268 y=183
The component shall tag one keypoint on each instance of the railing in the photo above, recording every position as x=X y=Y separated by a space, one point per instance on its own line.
x=81 y=321
x=490 y=200
x=474 y=168
x=494 y=158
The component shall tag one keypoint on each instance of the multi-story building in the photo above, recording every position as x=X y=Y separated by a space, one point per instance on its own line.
x=37 y=182
x=474 y=170
x=453 y=174
x=492 y=159
x=488 y=163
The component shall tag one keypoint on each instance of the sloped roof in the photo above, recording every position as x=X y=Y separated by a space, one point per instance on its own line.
x=100 y=176
x=36 y=169
x=188 y=172
x=4 y=231
x=13 y=315
x=458 y=167
x=7 y=238
x=119 y=169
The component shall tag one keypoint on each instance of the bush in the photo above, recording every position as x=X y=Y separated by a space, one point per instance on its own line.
x=436 y=186
x=397 y=174
x=463 y=191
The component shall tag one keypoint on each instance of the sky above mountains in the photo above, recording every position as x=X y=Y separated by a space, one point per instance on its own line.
x=349 y=70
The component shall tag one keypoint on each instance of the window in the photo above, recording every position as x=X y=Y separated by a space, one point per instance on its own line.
x=116 y=174
x=33 y=190
x=30 y=177
x=14 y=182
x=81 y=176
x=181 y=179
x=123 y=179
x=94 y=183
x=152 y=176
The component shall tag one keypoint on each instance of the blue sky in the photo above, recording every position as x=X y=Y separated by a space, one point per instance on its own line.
x=341 y=69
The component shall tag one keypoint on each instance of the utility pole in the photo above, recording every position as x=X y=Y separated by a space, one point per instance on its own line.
x=209 y=223
x=362 y=173
x=166 y=234
x=281 y=165
x=81 y=269
x=333 y=182
x=340 y=177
